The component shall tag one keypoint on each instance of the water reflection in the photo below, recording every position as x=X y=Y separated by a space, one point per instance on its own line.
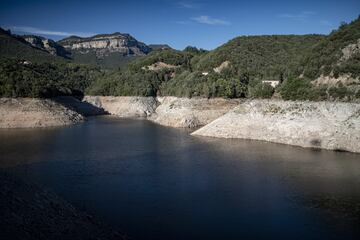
x=155 y=182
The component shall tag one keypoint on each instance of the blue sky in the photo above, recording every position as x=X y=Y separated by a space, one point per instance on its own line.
x=204 y=24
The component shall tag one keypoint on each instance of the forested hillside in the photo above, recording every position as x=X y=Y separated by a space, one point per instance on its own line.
x=194 y=72
x=338 y=53
x=145 y=75
x=239 y=67
x=25 y=79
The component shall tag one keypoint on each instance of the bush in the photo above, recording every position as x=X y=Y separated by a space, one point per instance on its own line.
x=261 y=90
x=301 y=89
x=340 y=92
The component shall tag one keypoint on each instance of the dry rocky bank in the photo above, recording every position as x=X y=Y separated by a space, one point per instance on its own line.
x=30 y=113
x=167 y=111
x=328 y=125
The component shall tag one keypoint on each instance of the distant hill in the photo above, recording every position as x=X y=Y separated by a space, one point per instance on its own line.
x=33 y=69
x=47 y=45
x=106 y=50
x=16 y=47
x=159 y=46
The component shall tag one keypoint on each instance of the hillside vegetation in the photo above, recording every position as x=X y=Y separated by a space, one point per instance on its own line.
x=27 y=71
x=250 y=60
x=137 y=78
x=24 y=79
x=307 y=67
x=237 y=69
x=329 y=56
x=17 y=48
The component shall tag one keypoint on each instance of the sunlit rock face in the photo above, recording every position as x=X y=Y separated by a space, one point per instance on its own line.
x=105 y=44
x=47 y=45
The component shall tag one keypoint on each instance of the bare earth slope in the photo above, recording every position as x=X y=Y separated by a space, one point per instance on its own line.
x=328 y=125
x=30 y=112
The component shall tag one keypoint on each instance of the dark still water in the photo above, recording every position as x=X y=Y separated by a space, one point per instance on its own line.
x=153 y=182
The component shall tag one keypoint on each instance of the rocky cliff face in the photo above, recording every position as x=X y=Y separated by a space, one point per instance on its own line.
x=327 y=125
x=47 y=45
x=105 y=44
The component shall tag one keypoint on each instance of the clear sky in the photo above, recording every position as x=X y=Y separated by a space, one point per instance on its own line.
x=200 y=23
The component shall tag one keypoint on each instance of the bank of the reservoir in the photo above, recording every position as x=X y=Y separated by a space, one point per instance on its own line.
x=327 y=125
x=31 y=112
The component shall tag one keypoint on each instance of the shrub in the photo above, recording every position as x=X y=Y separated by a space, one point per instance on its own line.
x=261 y=90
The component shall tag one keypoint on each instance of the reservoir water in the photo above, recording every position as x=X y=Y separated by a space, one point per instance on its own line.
x=154 y=182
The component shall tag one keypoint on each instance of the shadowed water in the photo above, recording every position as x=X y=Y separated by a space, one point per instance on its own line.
x=154 y=182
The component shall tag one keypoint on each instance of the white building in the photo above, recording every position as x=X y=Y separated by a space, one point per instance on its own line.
x=272 y=83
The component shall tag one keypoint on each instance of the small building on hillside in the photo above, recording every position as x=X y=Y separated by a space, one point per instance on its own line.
x=272 y=83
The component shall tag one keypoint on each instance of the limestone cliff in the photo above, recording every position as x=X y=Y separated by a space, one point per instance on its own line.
x=104 y=44
x=47 y=45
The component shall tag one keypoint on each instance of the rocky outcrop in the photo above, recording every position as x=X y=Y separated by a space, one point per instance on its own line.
x=222 y=66
x=158 y=66
x=190 y=112
x=331 y=80
x=127 y=107
x=328 y=125
x=30 y=113
x=47 y=45
x=350 y=50
x=105 y=44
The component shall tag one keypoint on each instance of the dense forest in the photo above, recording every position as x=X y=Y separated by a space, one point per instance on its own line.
x=236 y=69
x=19 y=78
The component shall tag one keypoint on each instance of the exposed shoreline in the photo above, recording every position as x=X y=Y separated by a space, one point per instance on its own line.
x=35 y=113
x=325 y=125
